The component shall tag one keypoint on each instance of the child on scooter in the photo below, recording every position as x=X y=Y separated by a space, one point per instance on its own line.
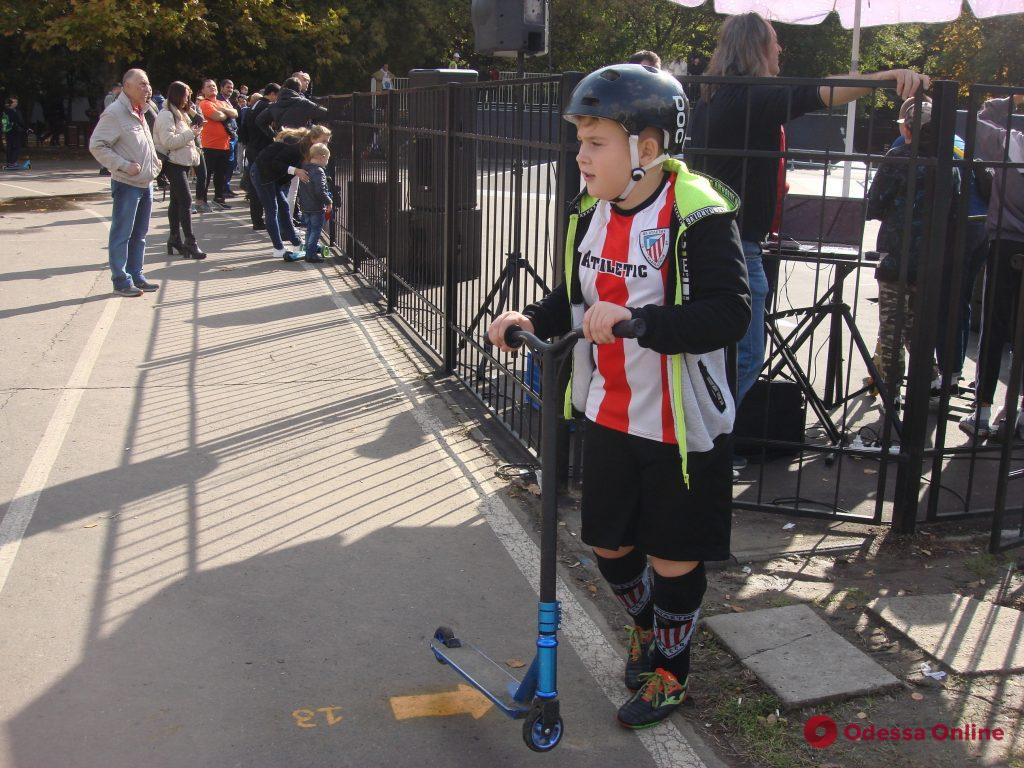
x=649 y=239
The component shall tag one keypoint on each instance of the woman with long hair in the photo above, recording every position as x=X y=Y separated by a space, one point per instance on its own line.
x=272 y=174
x=175 y=133
x=745 y=116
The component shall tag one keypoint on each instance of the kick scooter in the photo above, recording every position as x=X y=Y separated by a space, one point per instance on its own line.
x=534 y=699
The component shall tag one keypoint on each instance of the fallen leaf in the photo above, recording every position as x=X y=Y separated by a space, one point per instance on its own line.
x=515 y=663
x=917 y=696
x=90 y=525
x=772 y=719
x=862 y=715
x=737 y=609
x=592 y=589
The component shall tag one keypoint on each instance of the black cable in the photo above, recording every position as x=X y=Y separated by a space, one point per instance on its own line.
x=510 y=472
x=782 y=500
x=946 y=488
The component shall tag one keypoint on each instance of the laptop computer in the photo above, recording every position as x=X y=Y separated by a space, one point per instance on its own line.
x=814 y=224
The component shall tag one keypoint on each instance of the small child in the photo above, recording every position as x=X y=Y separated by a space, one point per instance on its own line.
x=315 y=199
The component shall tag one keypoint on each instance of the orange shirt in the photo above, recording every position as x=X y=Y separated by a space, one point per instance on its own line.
x=214 y=134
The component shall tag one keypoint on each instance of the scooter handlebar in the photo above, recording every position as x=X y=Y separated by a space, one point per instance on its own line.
x=516 y=337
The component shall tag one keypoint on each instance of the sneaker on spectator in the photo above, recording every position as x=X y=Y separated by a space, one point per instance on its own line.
x=971 y=425
x=1003 y=428
x=128 y=290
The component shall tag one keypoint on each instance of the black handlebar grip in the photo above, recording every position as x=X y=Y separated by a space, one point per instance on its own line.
x=630 y=329
x=510 y=337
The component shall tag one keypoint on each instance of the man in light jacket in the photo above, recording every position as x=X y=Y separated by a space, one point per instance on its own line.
x=123 y=143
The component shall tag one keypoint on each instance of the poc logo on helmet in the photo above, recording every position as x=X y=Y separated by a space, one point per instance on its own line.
x=680 y=102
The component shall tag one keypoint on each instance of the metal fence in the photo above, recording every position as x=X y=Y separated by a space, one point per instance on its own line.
x=451 y=205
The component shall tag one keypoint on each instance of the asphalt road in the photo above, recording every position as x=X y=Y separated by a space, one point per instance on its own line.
x=233 y=513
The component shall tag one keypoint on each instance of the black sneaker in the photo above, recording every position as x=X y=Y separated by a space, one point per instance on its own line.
x=128 y=290
x=259 y=227
x=146 y=286
x=638 y=657
x=659 y=697
x=221 y=202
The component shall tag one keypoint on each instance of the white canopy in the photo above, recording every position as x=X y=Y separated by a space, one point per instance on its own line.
x=873 y=13
x=856 y=14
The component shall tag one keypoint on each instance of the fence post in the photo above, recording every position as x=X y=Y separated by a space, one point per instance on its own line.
x=448 y=344
x=353 y=190
x=939 y=190
x=567 y=183
x=567 y=186
x=394 y=200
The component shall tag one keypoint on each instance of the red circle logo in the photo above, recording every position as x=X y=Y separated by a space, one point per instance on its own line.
x=820 y=731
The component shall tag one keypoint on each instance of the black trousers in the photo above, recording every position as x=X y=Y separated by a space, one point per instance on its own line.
x=1000 y=313
x=179 y=210
x=14 y=140
x=202 y=179
x=217 y=166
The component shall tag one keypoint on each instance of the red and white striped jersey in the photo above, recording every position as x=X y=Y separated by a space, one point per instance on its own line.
x=624 y=259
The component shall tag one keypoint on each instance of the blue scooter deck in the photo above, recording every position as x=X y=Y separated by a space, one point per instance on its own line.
x=484 y=674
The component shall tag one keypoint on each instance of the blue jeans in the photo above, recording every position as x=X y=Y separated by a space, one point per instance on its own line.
x=750 y=350
x=276 y=214
x=129 y=224
x=314 y=227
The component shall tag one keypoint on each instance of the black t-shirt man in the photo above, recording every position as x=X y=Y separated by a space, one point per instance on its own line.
x=748 y=117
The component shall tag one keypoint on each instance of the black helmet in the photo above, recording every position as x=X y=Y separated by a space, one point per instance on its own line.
x=635 y=96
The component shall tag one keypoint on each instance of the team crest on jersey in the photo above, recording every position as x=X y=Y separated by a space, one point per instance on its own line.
x=654 y=246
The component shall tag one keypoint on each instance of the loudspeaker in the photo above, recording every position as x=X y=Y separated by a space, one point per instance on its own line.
x=510 y=27
x=419 y=257
x=426 y=152
x=787 y=415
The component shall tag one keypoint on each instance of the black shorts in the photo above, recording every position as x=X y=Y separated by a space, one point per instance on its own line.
x=634 y=495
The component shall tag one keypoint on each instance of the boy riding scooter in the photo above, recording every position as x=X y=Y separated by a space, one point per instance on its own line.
x=649 y=239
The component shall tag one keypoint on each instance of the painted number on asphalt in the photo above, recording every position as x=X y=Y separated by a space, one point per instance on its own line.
x=307 y=718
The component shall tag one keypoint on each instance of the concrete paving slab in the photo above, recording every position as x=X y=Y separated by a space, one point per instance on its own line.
x=967 y=636
x=798 y=656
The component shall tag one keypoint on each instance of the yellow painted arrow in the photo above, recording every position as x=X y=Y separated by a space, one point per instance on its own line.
x=463 y=701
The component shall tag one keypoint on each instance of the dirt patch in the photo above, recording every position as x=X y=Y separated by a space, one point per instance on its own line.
x=49 y=204
x=746 y=724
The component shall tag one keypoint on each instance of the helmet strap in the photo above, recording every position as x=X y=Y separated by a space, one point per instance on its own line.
x=639 y=171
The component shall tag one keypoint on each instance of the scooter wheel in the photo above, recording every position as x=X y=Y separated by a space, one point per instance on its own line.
x=446 y=637
x=537 y=737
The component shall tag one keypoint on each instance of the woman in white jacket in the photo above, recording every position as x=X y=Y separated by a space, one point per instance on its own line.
x=175 y=133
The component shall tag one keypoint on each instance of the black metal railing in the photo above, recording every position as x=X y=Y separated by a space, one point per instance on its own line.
x=452 y=202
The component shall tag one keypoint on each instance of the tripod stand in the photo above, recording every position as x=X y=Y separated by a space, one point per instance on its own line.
x=832 y=307
x=507 y=282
